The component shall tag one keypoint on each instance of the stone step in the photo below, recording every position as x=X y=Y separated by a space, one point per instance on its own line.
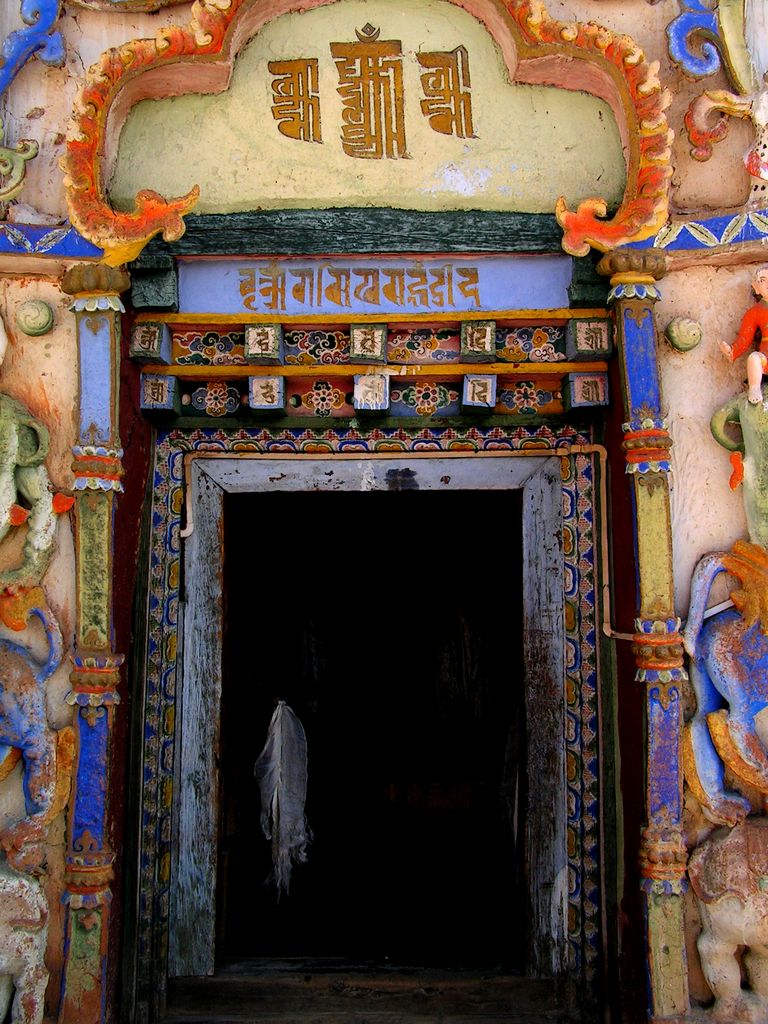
x=363 y=1017
x=424 y=997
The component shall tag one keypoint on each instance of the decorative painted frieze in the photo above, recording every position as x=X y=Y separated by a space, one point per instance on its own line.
x=322 y=397
x=214 y=398
x=316 y=345
x=529 y=398
x=543 y=343
x=223 y=347
x=423 y=344
x=425 y=398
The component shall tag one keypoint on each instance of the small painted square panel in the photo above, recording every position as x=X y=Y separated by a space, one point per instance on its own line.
x=371 y=392
x=150 y=343
x=264 y=343
x=368 y=343
x=159 y=392
x=479 y=391
x=585 y=390
x=266 y=394
x=588 y=339
x=478 y=341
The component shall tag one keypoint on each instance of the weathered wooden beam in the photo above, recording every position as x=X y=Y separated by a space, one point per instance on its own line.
x=351 y=230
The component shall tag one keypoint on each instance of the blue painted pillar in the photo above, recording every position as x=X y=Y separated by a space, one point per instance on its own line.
x=658 y=646
x=96 y=667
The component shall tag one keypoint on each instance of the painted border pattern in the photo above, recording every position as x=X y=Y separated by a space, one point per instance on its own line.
x=582 y=765
x=209 y=36
x=160 y=698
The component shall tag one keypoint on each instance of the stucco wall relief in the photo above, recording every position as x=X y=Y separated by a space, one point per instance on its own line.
x=27 y=738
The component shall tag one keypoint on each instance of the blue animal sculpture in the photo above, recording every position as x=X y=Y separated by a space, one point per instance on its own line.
x=24 y=729
x=729 y=673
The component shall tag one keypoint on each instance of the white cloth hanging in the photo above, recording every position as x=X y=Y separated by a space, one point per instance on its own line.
x=281 y=772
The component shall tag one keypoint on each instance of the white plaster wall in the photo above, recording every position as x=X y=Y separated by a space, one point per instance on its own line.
x=706 y=514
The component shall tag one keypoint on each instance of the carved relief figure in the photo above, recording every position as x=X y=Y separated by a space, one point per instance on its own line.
x=729 y=674
x=728 y=873
x=754 y=327
x=24 y=726
x=26 y=500
x=23 y=936
x=729 y=668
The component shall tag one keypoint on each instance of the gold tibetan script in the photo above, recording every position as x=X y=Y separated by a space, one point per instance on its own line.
x=371 y=90
x=296 y=106
x=447 y=102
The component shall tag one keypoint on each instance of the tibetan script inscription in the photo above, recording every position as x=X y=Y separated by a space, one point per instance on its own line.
x=447 y=102
x=274 y=289
x=371 y=90
x=296 y=106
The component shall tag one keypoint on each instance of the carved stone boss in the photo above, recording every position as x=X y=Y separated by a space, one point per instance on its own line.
x=96 y=667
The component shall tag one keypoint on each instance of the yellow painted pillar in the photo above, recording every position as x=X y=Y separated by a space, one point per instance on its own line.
x=658 y=646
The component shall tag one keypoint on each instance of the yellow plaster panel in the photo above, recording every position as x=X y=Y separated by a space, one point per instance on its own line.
x=532 y=143
x=654 y=546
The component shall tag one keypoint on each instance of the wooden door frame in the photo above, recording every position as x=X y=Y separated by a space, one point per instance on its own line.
x=574 y=468
x=195 y=820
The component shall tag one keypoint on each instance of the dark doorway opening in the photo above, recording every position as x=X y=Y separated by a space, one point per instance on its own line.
x=392 y=625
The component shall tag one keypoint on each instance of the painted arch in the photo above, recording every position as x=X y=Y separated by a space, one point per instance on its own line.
x=199 y=58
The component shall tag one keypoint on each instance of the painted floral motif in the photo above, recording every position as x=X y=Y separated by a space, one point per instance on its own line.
x=215 y=399
x=322 y=398
x=525 y=397
x=535 y=344
x=209 y=348
x=423 y=345
x=426 y=398
x=308 y=347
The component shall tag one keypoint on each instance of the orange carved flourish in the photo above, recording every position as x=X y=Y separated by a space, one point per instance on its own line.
x=122 y=235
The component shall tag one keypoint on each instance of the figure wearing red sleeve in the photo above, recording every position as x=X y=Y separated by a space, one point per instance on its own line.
x=754 y=328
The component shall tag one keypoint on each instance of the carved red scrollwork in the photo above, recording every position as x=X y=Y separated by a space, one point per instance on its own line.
x=569 y=55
